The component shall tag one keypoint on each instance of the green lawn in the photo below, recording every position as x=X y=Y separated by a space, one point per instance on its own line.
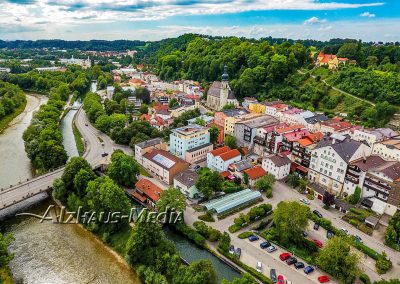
x=118 y=240
x=5 y=121
x=143 y=172
x=78 y=140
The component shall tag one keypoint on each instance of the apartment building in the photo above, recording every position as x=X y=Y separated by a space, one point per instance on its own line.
x=186 y=138
x=388 y=149
x=220 y=159
x=277 y=165
x=372 y=136
x=147 y=146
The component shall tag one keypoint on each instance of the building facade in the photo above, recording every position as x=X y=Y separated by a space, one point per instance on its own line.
x=186 y=138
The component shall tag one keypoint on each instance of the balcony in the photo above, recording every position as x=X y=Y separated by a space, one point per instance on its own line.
x=352 y=179
x=259 y=140
x=376 y=184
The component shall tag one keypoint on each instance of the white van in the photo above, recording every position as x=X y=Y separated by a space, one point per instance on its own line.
x=259 y=267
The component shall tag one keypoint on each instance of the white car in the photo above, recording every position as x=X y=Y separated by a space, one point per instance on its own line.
x=271 y=248
x=259 y=267
x=305 y=201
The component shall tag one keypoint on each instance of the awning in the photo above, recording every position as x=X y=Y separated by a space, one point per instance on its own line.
x=296 y=167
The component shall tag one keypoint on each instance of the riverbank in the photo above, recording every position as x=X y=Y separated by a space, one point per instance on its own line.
x=6 y=276
x=6 y=121
x=78 y=139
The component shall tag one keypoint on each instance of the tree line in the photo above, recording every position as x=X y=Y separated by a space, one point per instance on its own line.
x=11 y=98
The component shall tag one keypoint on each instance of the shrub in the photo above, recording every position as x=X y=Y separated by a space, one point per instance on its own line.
x=365 y=279
x=208 y=217
x=214 y=235
x=234 y=228
x=383 y=264
x=191 y=234
x=245 y=235
x=354 y=222
x=269 y=194
x=310 y=197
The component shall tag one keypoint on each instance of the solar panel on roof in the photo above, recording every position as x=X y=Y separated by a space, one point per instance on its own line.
x=163 y=161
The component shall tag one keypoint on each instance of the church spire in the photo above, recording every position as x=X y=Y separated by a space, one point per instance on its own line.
x=225 y=76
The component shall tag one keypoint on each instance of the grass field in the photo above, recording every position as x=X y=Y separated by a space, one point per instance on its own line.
x=78 y=140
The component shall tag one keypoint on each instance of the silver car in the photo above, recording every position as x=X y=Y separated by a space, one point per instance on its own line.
x=271 y=248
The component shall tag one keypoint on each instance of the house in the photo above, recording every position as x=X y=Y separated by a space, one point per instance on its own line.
x=301 y=152
x=220 y=93
x=231 y=120
x=330 y=60
x=336 y=125
x=147 y=146
x=163 y=165
x=246 y=130
x=186 y=183
x=220 y=159
x=208 y=120
x=388 y=149
x=330 y=158
x=189 y=137
x=247 y=101
x=146 y=193
x=237 y=169
x=198 y=154
x=376 y=177
x=313 y=123
x=275 y=108
x=277 y=164
x=372 y=136
x=255 y=174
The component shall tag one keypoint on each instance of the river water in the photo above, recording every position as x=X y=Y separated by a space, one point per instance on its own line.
x=15 y=165
x=67 y=132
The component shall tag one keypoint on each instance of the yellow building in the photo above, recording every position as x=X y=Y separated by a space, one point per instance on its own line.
x=257 y=108
x=229 y=128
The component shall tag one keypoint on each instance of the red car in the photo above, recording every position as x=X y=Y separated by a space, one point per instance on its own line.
x=281 y=280
x=324 y=279
x=318 y=243
x=284 y=256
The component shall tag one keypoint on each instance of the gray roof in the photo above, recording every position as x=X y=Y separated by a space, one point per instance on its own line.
x=279 y=160
x=316 y=118
x=188 y=178
x=243 y=165
x=258 y=122
x=318 y=188
x=235 y=112
x=199 y=147
x=343 y=204
x=345 y=148
x=150 y=143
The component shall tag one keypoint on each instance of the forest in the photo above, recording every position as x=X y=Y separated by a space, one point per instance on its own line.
x=11 y=98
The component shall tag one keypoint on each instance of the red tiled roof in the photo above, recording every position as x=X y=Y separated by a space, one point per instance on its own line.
x=219 y=151
x=289 y=128
x=256 y=172
x=337 y=125
x=305 y=142
x=315 y=137
x=225 y=174
x=230 y=154
x=138 y=196
x=136 y=81
x=192 y=97
x=149 y=189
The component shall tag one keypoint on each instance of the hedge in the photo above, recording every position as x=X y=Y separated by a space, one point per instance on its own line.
x=245 y=235
x=365 y=279
x=192 y=234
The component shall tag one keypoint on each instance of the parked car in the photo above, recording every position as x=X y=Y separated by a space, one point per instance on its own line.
x=305 y=234
x=265 y=244
x=86 y=124
x=316 y=212
x=272 y=275
x=308 y=269
x=299 y=265
x=196 y=167
x=316 y=226
x=284 y=256
x=305 y=201
x=232 y=249
x=271 y=248
x=318 y=243
x=344 y=231
x=291 y=260
x=253 y=238
x=238 y=252
x=324 y=279
x=281 y=280
x=329 y=234
x=259 y=267
x=104 y=155
x=358 y=238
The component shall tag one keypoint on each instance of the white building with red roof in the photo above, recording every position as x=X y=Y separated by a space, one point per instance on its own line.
x=220 y=159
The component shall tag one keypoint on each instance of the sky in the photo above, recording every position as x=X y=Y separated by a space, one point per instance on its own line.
x=368 y=20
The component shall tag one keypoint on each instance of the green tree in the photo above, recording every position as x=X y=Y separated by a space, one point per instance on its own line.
x=171 y=198
x=245 y=279
x=200 y=121
x=303 y=184
x=293 y=180
x=123 y=169
x=230 y=141
x=198 y=272
x=337 y=259
x=5 y=255
x=173 y=103
x=291 y=220
x=266 y=182
x=392 y=235
x=144 y=109
x=81 y=180
x=214 y=133
x=245 y=178
x=209 y=182
x=71 y=169
x=224 y=242
x=356 y=196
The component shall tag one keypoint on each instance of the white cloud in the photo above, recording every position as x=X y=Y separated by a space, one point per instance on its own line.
x=314 y=20
x=367 y=14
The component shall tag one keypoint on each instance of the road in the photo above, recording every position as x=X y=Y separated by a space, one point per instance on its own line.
x=93 y=154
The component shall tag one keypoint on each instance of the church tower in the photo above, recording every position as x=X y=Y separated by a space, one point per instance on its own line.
x=224 y=92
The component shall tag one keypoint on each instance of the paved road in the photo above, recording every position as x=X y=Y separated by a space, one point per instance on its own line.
x=93 y=154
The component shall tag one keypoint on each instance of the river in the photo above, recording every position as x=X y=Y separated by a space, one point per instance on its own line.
x=46 y=252
x=67 y=132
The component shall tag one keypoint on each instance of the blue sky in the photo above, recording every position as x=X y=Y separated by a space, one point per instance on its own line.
x=156 y=19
